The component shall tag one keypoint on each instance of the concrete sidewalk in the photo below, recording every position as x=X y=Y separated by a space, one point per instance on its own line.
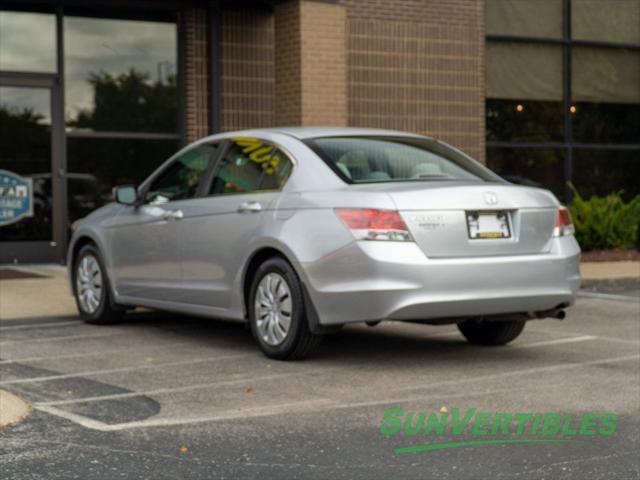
x=603 y=271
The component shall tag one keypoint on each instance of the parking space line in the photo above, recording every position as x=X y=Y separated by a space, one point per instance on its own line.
x=558 y=341
x=159 y=391
x=57 y=339
x=40 y=325
x=608 y=296
x=323 y=404
x=124 y=369
x=153 y=348
x=167 y=422
x=549 y=368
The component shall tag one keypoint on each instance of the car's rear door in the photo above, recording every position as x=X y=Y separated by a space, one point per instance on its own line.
x=145 y=238
x=219 y=228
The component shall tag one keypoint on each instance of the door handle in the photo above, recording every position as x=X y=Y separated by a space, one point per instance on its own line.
x=172 y=214
x=249 y=207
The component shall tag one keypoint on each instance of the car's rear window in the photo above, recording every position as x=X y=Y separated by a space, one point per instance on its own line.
x=397 y=159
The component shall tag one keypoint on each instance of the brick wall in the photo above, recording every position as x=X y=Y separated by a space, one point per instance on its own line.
x=310 y=63
x=196 y=75
x=288 y=63
x=418 y=66
x=247 y=68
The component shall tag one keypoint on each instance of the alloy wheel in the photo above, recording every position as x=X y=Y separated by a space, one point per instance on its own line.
x=273 y=309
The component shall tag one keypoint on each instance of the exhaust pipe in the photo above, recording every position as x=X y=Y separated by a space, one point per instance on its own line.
x=557 y=313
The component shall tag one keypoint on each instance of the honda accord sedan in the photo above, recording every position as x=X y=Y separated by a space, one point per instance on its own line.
x=299 y=231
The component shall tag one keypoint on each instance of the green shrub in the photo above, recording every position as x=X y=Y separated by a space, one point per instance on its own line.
x=605 y=223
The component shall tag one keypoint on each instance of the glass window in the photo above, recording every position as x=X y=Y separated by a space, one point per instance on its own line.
x=385 y=159
x=95 y=166
x=535 y=167
x=250 y=165
x=600 y=172
x=25 y=149
x=120 y=75
x=526 y=18
x=606 y=122
x=605 y=75
x=524 y=121
x=27 y=42
x=523 y=71
x=606 y=95
x=182 y=178
x=609 y=21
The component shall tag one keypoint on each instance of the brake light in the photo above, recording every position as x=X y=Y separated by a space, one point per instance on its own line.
x=564 y=225
x=374 y=224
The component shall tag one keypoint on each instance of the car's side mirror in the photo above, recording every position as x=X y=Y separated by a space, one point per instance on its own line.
x=125 y=194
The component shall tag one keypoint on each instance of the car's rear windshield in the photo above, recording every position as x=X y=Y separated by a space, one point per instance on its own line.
x=397 y=159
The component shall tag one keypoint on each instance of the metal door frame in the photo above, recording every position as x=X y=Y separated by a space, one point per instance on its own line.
x=55 y=249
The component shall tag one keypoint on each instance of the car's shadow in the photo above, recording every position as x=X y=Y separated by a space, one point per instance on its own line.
x=396 y=342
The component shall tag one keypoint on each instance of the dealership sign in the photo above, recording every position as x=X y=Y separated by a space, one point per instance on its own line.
x=16 y=197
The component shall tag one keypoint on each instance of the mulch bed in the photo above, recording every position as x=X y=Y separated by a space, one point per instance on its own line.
x=610 y=255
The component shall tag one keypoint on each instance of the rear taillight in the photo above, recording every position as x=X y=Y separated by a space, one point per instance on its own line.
x=374 y=224
x=564 y=225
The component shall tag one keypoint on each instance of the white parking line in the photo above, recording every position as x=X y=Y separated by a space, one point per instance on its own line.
x=40 y=325
x=86 y=422
x=57 y=339
x=152 y=348
x=159 y=391
x=124 y=369
x=558 y=341
x=608 y=296
x=318 y=405
x=549 y=368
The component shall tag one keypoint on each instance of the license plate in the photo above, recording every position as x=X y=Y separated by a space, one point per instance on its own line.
x=488 y=224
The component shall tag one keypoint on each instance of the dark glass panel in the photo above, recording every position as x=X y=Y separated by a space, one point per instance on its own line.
x=95 y=166
x=600 y=172
x=524 y=121
x=534 y=167
x=25 y=149
x=120 y=75
x=27 y=42
x=606 y=122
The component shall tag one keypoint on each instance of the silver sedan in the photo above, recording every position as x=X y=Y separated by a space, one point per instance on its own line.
x=299 y=231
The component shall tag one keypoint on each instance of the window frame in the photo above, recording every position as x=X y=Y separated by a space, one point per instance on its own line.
x=210 y=174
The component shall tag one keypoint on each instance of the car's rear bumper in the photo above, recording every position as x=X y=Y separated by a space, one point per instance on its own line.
x=395 y=280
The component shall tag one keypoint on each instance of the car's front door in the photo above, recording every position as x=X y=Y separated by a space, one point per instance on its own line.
x=220 y=227
x=145 y=238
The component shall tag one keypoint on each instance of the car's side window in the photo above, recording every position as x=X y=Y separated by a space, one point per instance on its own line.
x=250 y=165
x=181 y=179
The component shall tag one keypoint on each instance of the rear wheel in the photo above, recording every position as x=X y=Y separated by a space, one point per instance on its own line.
x=498 y=332
x=91 y=288
x=277 y=312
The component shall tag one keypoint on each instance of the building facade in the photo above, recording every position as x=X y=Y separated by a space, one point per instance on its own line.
x=98 y=94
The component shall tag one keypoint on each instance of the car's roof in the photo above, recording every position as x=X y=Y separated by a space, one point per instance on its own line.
x=302 y=133
x=314 y=132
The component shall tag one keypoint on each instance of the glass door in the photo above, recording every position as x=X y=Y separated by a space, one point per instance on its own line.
x=29 y=187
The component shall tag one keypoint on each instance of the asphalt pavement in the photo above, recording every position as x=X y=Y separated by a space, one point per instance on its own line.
x=167 y=396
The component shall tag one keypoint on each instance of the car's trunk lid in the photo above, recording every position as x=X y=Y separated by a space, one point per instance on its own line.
x=437 y=214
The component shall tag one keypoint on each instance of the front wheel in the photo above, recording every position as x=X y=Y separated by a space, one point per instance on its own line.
x=91 y=288
x=498 y=332
x=277 y=312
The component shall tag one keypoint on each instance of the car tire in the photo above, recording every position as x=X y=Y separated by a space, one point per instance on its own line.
x=92 y=290
x=498 y=332
x=276 y=312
